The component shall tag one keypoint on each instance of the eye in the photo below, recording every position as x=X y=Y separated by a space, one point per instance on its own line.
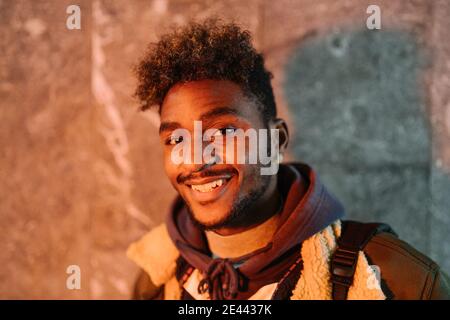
x=173 y=140
x=224 y=132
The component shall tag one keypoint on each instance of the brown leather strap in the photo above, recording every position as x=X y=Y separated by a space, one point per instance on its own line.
x=354 y=237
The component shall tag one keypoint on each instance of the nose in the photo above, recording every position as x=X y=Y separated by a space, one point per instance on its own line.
x=197 y=162
x=202 y=153
x=195 y=168
x=189 y=169
x=198 y=155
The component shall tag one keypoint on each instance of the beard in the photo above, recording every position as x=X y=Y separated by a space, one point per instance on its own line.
x=238 y=216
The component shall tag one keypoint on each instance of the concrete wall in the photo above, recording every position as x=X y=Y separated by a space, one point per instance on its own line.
x=80 y=170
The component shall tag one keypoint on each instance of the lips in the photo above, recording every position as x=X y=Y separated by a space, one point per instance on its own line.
x=208 y=189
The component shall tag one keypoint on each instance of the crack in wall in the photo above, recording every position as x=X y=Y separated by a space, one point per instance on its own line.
x=115 y=134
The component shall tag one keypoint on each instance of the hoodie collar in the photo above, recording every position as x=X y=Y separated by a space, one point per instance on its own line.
x=308 y=209
x=303 y=215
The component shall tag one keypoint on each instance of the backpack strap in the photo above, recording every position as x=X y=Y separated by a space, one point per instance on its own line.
x=354 y=237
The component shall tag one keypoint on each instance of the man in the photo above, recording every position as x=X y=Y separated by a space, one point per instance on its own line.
x=237 y=231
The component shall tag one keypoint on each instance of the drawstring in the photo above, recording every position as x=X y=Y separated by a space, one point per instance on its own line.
x=221 y=280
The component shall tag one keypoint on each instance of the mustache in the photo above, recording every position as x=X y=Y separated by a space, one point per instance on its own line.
x=206 y=173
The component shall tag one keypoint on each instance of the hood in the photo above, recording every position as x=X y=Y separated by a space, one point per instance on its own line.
x=308 y=209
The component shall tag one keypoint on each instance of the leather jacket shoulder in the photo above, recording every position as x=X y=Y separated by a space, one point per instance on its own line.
x=145 y=289
x=406 y=274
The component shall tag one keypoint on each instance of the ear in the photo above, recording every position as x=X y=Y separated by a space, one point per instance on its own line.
x=283 y=131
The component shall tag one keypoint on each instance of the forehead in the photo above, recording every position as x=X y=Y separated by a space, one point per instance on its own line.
x=190 y=100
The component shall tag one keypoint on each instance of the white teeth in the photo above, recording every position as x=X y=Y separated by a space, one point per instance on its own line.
x=207 y=187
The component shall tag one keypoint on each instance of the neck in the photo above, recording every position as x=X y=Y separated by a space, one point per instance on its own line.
x=240 y=244
x=239 y=241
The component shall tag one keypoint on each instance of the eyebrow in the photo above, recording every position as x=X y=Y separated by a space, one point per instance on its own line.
x=168 y=126
x=218 y=112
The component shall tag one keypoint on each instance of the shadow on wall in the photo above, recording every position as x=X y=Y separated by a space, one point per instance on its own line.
x=360 y=120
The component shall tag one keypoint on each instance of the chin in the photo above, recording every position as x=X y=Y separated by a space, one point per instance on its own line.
x=212 y=219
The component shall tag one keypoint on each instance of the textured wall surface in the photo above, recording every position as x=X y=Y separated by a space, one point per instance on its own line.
x=356 y=96
x=80 y=169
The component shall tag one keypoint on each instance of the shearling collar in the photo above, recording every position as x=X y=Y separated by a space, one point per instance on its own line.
x=156 y=254
x=309 y=216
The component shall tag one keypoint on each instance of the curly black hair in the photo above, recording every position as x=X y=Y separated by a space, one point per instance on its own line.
x=204 y=50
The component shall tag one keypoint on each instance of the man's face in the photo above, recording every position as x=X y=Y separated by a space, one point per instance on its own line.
x=218 y=195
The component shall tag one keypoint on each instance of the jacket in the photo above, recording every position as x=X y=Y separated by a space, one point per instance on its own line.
x=157 y=255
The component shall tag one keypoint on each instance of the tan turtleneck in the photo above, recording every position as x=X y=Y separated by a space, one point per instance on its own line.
x=239 y=244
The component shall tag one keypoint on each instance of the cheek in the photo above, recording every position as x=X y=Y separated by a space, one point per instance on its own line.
x=170 y=168
x=237 y=152
x=250 y=177
x=246 y=176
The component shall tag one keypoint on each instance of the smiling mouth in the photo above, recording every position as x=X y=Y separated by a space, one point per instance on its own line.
x=209 y=189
